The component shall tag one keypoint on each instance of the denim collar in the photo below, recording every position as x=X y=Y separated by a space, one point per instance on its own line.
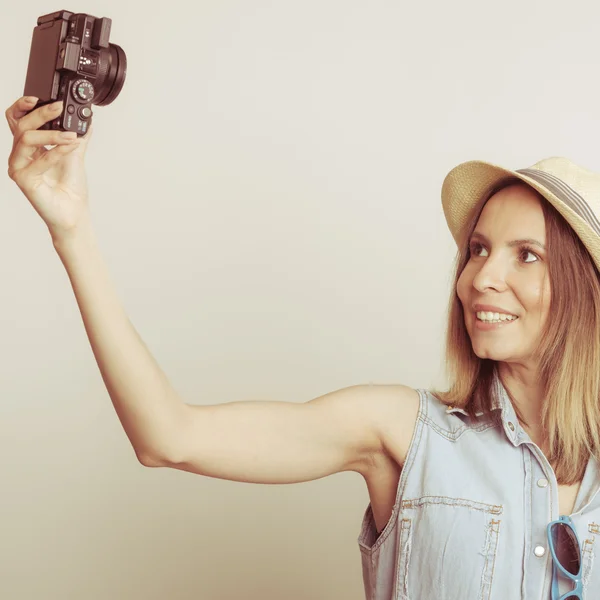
x=589 y=496
x=500 y=401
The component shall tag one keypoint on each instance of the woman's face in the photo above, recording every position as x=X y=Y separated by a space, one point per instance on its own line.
x=504 y=288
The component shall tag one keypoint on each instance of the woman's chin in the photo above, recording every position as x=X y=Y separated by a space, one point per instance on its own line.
x=491 y=352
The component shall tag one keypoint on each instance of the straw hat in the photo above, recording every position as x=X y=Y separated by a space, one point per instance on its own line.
x=572 y=190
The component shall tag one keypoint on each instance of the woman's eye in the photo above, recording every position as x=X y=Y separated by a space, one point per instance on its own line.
x=525 y=254
x=477 y=249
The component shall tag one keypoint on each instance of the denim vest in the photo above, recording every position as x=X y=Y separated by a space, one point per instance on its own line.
x=472 y=506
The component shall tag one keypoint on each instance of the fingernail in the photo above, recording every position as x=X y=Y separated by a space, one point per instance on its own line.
x=31 y=99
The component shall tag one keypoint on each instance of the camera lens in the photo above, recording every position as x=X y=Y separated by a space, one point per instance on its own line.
x=112 y=67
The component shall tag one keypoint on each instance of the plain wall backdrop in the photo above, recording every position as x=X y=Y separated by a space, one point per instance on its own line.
x=266 y=192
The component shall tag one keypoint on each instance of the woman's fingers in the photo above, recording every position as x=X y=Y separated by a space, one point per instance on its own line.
x=37 y=118
x=18 y=110
x=46 y=137
x=49 y=159
x=19 y=120
x=27 y=176
x=28 y=143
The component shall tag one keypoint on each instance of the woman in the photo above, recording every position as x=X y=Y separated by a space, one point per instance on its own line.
x=466 y=486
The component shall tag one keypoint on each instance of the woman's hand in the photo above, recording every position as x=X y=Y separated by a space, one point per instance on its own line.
x=54 y=181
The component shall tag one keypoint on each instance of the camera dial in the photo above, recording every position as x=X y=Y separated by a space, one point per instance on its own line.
x=82 y=91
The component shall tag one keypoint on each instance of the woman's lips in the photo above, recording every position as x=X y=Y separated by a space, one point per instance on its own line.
x=489 y=326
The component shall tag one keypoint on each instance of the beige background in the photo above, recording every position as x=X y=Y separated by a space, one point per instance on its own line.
x=266 y=193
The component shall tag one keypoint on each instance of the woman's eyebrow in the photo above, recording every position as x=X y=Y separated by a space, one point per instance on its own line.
x=511 y=244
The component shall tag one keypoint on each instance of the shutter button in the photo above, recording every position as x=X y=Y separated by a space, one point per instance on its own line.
x=85 y=112
x=539 y=551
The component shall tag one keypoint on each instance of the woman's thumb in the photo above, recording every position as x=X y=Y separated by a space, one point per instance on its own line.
x=84 y=142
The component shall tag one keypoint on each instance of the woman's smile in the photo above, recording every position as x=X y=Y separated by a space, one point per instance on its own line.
x=488 y=324
x=491 y=318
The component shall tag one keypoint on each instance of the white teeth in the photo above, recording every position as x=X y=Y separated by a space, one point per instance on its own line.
x=491 y=317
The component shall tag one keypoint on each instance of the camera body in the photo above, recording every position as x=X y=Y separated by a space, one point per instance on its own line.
x=71 y=59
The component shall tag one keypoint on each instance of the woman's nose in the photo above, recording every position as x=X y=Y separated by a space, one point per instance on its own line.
x=491 y=275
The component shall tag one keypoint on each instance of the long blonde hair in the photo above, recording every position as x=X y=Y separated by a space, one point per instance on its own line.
x=569 y=350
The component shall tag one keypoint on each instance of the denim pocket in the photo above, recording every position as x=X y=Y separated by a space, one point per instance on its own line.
x=450 y=548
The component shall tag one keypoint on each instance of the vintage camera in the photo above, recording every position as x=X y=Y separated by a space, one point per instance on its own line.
x=72 y=60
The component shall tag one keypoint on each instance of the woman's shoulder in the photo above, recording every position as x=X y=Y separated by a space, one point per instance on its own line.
x=394 y=412
x=427 y=401
x=402 y=400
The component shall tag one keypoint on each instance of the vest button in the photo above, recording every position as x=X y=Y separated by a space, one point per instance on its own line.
x=539 y=551
x=542 y=482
